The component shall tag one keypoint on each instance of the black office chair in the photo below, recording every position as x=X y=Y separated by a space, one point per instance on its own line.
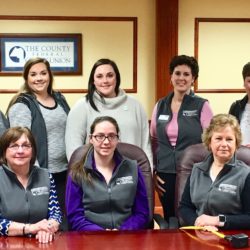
x=135 y=153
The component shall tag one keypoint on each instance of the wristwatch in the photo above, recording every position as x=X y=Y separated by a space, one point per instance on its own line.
x=222 y=220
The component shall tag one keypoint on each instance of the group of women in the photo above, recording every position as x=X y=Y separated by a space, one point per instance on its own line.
x=45 y=132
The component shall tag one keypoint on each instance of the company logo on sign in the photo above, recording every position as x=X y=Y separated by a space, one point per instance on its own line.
x=17 y=54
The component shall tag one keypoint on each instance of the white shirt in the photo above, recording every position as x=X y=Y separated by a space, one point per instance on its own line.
x=245 y=125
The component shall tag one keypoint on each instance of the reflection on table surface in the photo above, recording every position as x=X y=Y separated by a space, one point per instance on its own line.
x=146 y=239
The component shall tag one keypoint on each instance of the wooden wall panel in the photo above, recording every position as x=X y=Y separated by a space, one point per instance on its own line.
x=166 y=43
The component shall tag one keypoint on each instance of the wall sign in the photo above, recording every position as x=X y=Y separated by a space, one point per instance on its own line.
x=63 y=51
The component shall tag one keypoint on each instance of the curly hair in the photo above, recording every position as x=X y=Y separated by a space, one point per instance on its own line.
x=185 y=60
x=219 y=122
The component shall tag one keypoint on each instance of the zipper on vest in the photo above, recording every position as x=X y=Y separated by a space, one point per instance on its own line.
x=109 y=193
x=28 y=205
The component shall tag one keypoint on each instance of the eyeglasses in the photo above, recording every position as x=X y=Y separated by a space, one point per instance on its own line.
x=102 y=137
x=15 y=147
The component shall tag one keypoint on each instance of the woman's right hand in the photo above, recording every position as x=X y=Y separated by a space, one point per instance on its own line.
x=158 y=182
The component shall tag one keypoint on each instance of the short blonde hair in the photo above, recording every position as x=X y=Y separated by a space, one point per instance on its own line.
x=219 y=122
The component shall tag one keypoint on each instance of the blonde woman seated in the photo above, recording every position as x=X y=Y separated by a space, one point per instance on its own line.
x=217 y=192
x=106 y=191
x=28 y=200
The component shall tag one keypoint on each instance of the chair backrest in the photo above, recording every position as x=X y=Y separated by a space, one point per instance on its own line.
x=243 y=154
x=133 y=152
x=193 y=154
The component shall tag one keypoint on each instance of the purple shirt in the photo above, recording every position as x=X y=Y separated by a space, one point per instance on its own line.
x=75 y=209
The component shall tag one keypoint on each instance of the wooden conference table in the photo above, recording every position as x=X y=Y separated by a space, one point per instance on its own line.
x=146 y=240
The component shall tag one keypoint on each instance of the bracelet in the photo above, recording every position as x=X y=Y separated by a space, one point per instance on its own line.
x=24 y=229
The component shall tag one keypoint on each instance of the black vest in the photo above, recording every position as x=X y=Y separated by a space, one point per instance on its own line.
x=189 y=130
x=38 y=127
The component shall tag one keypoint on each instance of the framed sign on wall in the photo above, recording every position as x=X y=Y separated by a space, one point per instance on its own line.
x=63 y=51
x=104 y=37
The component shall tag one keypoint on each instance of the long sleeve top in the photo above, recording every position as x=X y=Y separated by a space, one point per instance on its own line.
x=127 y=111
x=48 y=126
x=38 y=201
x=76 y=213
x=227 y=195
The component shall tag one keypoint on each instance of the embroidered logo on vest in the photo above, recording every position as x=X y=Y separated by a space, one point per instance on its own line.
x=39 y=191
x=227 y=188
x=190 y=112
x=124 y=180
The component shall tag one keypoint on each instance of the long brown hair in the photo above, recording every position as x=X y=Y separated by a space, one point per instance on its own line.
x=77 y=170
x=91 y=85
x=25 y=89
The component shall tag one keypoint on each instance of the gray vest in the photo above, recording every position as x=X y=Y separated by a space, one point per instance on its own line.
x=223 y=196
x=109 y=205
x=20 y=205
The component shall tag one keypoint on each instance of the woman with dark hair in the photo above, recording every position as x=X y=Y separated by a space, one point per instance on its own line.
x=241 y=108
x=177 y=122
x=106 y=191
x=105 y=97
x=33 y=208
x=38 y=107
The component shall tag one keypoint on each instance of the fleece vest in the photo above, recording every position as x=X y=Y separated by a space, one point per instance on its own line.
x=109 y=205
x=28 y=205
x=38 y=127
x=189 y=130
x=223 y=196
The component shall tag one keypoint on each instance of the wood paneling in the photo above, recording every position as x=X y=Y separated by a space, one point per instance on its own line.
x=166 y=43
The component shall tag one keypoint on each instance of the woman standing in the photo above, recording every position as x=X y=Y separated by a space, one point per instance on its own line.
x=177 y=122
x=241 y=108
x=38 y=107
x=106 y=191
x=33 y=208
x=105 y=97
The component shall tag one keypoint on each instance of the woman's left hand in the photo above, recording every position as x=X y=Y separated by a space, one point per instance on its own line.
x=44 y=237
x=206 y=220
x=53 y=225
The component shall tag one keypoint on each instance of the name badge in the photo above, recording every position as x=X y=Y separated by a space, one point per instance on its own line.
x=163 y=117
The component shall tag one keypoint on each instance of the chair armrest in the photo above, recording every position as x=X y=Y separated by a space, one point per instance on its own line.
x=160 y=221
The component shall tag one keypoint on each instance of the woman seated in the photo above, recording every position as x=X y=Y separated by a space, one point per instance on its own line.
x=217 y=192
x=106 y=191
x=28 y=201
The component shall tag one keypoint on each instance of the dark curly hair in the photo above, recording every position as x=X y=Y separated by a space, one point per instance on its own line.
x=185 y=60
